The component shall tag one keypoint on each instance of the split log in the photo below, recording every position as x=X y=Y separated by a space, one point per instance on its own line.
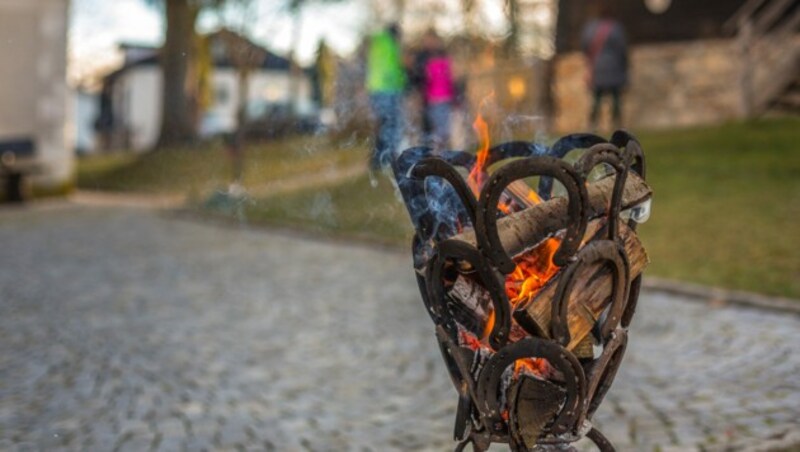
x=526 y=228
x=534 y=405
x=589 y=297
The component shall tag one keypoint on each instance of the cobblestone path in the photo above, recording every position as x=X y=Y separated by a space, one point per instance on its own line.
x=127 y=329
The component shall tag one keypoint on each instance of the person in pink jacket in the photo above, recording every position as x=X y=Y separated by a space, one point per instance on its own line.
x=434 y=79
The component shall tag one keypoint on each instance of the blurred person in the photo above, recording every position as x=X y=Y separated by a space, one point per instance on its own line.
x=604 y=44
x=433 y=77
x=386 y=80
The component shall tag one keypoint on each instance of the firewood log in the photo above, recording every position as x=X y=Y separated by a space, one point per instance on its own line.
x=589 y=297
x=524 y=229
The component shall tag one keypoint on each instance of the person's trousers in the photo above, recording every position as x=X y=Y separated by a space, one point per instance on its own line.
x=388 y=111
x=438 y=115
x=616 y=107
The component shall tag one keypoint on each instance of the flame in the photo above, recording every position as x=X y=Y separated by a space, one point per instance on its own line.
x=533 y=270
x=533 y=198
x=535 y=267
x=535 y=366
x=478 y=174
x=489 y=325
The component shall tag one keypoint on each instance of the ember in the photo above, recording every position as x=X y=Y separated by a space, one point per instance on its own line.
x=531 y=294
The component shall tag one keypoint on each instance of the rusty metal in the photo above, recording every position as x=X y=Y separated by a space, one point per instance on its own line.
x=486 y=229
x=494 y=405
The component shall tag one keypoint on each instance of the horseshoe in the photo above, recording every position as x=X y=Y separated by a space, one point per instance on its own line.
x=486 y=228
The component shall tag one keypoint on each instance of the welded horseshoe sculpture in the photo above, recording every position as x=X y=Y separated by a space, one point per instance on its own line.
x=492 y=407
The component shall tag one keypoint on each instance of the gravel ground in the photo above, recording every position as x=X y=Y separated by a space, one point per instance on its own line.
x=130 y=329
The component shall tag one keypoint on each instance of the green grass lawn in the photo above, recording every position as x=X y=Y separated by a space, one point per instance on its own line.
x=726 y=205
x=725 y=208
x=725 y=211
x=198 y=170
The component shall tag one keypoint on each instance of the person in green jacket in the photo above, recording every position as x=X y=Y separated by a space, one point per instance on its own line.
x=386 y=80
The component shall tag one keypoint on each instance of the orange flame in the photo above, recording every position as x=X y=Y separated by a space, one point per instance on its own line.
x=535 y=366
x=533 y=270
x=535 y=267
x=478 y=174
x=489 y=325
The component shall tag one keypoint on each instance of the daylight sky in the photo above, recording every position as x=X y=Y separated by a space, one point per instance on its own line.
x=97 y=26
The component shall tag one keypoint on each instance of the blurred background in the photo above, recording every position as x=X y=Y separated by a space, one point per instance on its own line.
x=185 y=98
x=266 y=113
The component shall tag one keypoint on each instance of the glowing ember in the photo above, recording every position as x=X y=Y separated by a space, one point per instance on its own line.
x=469 y=340
x=532 y=366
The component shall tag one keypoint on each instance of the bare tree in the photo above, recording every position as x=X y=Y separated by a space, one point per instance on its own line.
x=177 y=54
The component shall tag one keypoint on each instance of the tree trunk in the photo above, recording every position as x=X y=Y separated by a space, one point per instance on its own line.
x=177 y=126
x=511 y=45
x=294 y=70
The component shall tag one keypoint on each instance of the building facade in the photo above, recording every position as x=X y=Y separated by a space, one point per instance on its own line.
x=133 y=94
x=33 y=87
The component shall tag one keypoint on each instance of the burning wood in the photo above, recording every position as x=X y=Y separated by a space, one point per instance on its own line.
x=531 y=309
x=524 y=229
x=589 y=297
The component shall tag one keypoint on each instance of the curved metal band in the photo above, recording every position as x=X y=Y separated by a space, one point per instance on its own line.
x=611 y=155
x=448 y=345
x=599 y=440
x=457 y=249
x=561 y=148
x=434 y=167
x=598 y=251
x=530 y=347
x=623 y=139
x=633 y=300
x=486 y=229
x=458 y=361
x=604 y=369
x=458 y=158
x=511 y=149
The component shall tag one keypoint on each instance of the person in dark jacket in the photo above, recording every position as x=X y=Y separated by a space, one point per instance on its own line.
x=606 y=51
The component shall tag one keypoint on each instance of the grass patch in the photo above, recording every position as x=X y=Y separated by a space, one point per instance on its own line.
x=726 y=205
x=352 y=208
x=725 y=210
x=199 y=170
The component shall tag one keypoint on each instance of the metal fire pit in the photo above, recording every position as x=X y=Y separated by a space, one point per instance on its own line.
x=525 y=412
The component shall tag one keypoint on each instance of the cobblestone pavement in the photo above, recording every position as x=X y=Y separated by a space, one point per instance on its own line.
x=127 y=329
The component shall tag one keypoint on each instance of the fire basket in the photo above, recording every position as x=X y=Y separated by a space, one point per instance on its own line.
x=531 y=290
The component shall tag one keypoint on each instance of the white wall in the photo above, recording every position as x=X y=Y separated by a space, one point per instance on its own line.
x=224 y=107
x=137 y=105
x=85 y=109
x=33 y=90
x=273 y=87
x=137 y=100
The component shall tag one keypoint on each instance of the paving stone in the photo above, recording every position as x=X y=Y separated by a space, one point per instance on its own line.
x=130 y=328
